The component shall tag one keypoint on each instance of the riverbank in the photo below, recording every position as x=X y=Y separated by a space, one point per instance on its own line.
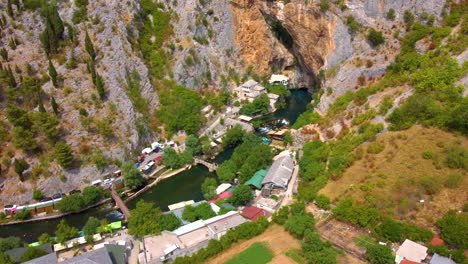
x=55 y=216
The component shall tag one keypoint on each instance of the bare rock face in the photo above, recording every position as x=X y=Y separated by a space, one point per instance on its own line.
x=255 y=42
x=211 y=22
x=311 y=34
x=379 y=8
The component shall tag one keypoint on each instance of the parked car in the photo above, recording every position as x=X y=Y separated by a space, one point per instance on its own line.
x=74 y=191
x=58 y=196
x=46 y=199
x=107 y=181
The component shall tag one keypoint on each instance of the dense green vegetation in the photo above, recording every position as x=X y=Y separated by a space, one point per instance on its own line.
x=258 y=106
x=153 y=33
x=180 y=109
x=302 y=226
x=249 y=157
x=398 y=231
x=132 y=176
x=202 y=211
x=32 y=253
x=76 y=202
x=209 y=188
x=452 y=226
x=145 y=220
x=241 y=195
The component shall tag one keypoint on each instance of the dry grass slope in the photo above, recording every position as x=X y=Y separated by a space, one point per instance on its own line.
x=410 y=166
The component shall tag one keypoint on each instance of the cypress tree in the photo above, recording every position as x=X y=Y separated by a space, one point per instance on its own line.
x=54 y=29
x=100 y=86
x=4 y=54
x=11 y=77
x=92 y=70
x=40 y=104
x=9 y=9
x=53 y=74
x=54 y=105
x=89 y=47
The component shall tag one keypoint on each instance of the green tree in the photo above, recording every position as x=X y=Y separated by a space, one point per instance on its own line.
x=241 y=195
x=391 y=230
x=391 y=14
x=10 y=9
x=132 y=176
x=192 y=144
x=169 y=222
x=144 y=220
x=171 y=159
x=408 y=17
x=64 y=232
x=24 y=139
x=45 y=238
x=379 y=254
x=70 y=203
x=20 y=165
x=54 y=28
x=63 y=154
x=323 y=201
x=92 y=195
x=209 y=188
x=8 y=243
x=375 y=37
x=452 y=226
x=297 y=224
x=54 y=105
x=46 y=124
x=32 y=253
x=233 y=136
x=53 y=74
x=37 y=195
x=5 y=259
x=91 y=228
x=100 y=86
x=89 y=47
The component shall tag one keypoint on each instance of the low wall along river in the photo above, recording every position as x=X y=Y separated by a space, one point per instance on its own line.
x=181 y=187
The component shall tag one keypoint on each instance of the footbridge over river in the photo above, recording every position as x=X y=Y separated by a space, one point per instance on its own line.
x=120 y=204
x=211 y=166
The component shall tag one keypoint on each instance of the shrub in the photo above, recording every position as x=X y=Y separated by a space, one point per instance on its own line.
x=375 y=37
x=375 y=148
x=324 y=5
x=353 y=25
x=427 y=155
x=452 y=226
x=431 y=185
x=323 y=201
x=453 y=181
x=37 y=195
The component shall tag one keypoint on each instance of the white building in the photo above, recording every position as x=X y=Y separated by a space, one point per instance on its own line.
x=279 y=79
x=250 y=90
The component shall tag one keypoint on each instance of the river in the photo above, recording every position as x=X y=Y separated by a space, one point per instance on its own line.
x=182 y=187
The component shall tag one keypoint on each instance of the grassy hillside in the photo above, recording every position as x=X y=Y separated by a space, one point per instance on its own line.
x=402 y=168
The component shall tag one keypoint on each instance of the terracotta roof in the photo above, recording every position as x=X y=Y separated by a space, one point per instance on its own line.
x=436 y=241
x=223 y=195
x=405 y=261
x=253 y=213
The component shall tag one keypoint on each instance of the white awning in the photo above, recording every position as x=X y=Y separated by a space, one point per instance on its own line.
x=147 y=151
x=245 y=118
x=222 y=188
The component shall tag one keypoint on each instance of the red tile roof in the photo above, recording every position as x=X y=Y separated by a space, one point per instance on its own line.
x=223 y=195
x=405 y=261
x=253 y=213
x=436 y=241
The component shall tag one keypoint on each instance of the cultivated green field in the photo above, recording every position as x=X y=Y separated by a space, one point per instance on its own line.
x=257 y=253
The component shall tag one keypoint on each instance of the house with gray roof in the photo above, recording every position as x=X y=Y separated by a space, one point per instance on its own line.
x=109 y=254
x=280 y=173
x=250 y=90
x=47 y=259
x=438 y=259
x=17 y=253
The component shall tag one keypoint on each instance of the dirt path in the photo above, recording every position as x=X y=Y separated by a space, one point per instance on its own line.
x=277 y=239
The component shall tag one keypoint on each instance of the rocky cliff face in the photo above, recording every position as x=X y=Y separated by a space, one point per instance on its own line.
x=115 y=58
